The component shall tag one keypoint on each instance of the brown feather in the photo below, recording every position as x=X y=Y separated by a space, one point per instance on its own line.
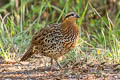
x=55 y=40
x=27 y=54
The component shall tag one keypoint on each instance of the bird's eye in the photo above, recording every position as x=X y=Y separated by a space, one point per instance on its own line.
x=72 y=14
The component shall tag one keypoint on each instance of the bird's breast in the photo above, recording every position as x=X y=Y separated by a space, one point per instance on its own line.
x=70 y=37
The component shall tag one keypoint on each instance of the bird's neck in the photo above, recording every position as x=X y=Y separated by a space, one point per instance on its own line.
x=68 y=25
x=69 y=28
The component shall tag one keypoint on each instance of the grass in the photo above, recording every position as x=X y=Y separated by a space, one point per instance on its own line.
x=99 y=37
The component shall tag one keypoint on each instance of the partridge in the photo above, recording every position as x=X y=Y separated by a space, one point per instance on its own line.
x=55 y=40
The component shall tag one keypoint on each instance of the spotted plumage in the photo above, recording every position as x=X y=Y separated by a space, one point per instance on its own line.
x=55 y=40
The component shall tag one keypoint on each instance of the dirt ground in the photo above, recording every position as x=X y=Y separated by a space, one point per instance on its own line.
x=36 y=70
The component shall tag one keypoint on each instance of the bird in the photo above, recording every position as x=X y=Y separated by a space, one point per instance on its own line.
x=55 y=40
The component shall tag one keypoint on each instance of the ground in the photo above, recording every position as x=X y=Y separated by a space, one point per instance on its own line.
x=34 y=69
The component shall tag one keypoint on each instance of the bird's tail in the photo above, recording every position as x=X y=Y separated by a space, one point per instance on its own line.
x=27 y=54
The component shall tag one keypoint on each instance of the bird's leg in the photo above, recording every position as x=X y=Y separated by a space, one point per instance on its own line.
x=59 y=64
x=45 y=62
x=51 y=64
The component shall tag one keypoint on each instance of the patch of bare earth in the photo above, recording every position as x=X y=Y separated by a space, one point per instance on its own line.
x=35 y=70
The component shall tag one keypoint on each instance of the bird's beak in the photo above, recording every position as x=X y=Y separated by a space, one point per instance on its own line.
x=77 y=16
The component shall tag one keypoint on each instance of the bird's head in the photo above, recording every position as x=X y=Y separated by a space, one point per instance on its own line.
x=71 y=16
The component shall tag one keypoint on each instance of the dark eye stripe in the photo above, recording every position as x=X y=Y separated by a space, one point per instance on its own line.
x=69 y=15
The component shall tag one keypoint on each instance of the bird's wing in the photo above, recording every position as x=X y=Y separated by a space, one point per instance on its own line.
x=48 y=38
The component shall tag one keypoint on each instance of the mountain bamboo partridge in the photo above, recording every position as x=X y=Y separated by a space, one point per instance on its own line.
x=55 y=40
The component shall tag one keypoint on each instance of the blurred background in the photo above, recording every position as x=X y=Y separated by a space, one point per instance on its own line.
x=99 y=26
